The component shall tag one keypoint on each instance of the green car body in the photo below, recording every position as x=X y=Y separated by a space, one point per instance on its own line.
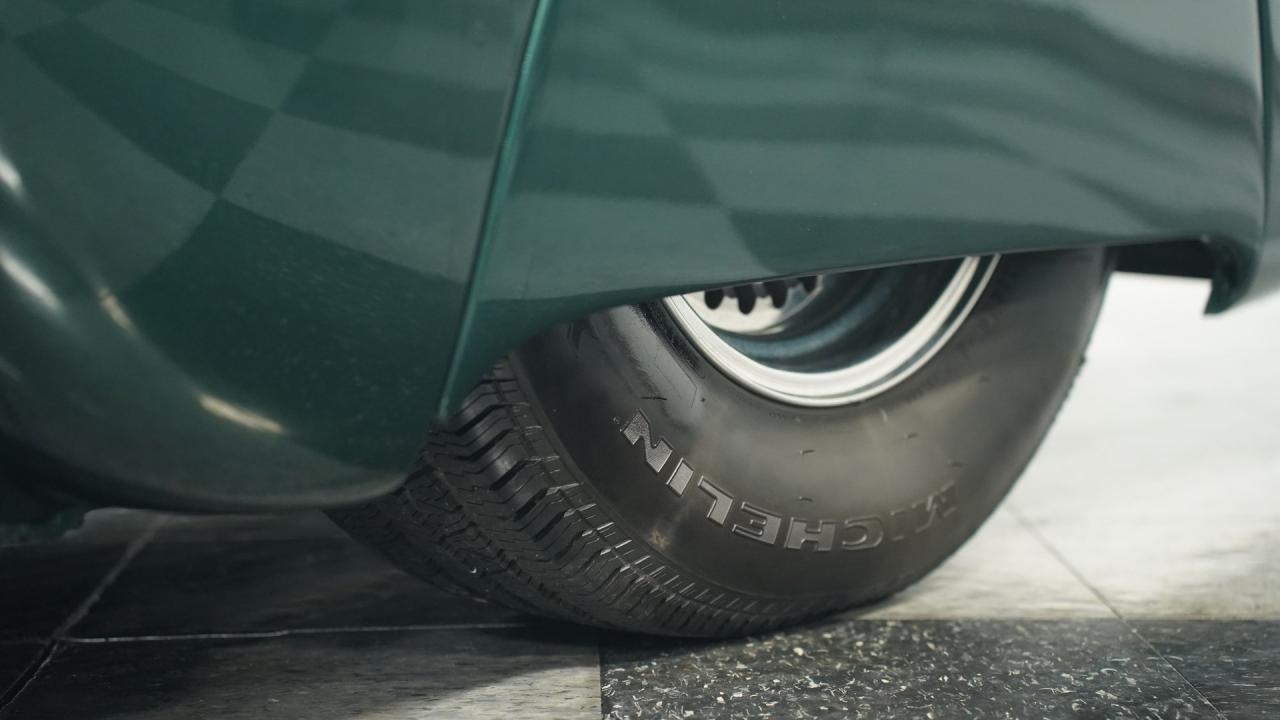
x=251 y=248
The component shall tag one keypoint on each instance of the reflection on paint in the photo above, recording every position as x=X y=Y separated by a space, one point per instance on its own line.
x=10 y=178
x=28 y=280
x=111 y=304
x=239 y=415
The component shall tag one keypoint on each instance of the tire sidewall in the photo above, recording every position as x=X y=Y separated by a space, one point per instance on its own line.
x=775 y=501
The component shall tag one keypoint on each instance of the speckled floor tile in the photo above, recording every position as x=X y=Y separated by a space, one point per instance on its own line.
x=1003 y=571
x=370 y=676
x=1235 y=665
x=14 y=661
x=45 y=583
x=264 y=575
x=889 y=669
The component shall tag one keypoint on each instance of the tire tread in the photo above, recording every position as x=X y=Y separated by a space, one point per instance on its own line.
x=494 y=516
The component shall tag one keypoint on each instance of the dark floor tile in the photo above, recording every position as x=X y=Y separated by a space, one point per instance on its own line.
x=925 y=669
x=446 y=674
x=246 y=576
x=1235 y=664
x=14 y=661
x=44 y=583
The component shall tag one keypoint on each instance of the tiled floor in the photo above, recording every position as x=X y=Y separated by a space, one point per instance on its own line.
x=1135 y=572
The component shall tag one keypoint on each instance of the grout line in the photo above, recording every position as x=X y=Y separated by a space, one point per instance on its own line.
x=53 y=645
x=1079 y=576
x=116 y=570
x=47 y=652
x=271 y=634
x=599 y=670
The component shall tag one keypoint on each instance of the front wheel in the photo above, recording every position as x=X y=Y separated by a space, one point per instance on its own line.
x=736 y=460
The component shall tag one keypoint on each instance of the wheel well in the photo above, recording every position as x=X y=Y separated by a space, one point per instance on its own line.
x=1180 y=258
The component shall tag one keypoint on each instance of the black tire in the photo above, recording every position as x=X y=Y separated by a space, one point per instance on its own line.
x=534 y=496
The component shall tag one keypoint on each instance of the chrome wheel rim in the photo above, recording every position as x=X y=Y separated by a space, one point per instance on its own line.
x=830 y=340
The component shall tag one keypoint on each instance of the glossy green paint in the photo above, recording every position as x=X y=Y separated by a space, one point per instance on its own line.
x=673 y=144
x=235 y=236
x=1263 y=262
x=250 y=247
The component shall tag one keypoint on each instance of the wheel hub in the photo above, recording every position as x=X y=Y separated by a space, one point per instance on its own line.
x=835 y=339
